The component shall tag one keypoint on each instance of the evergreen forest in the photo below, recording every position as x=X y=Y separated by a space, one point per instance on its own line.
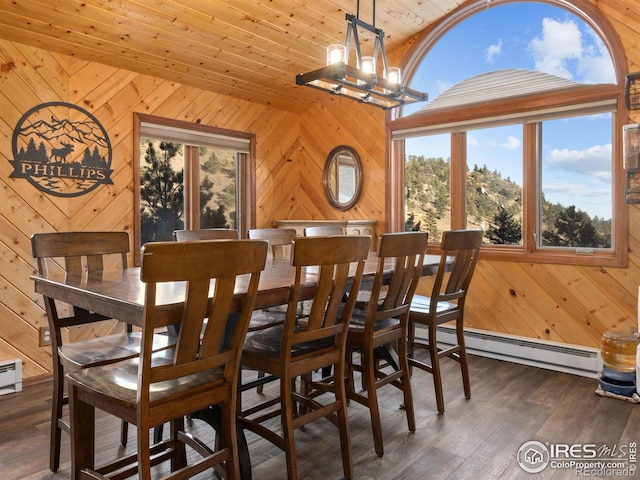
x=494 y=204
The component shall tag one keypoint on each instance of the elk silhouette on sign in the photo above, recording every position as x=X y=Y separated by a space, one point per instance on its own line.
x=67 y=156
x=60 y=154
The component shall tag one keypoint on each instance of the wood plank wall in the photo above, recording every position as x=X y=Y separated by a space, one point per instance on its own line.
x=288 y=175
x=560 y=303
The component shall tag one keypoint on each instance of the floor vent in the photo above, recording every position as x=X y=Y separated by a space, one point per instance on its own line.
x=10 y=376
x=561 y=357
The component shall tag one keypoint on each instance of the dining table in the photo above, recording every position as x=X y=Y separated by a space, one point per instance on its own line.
x=119 y=294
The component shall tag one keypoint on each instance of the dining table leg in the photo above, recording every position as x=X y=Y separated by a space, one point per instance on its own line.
x=212 y=415
x=388 y=353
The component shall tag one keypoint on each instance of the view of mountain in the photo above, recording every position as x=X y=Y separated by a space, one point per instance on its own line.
x=494 y=204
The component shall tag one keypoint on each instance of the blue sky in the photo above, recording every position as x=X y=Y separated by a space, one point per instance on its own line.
x=534 y=36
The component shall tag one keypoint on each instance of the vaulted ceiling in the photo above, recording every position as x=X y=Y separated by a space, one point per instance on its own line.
x=247 y=49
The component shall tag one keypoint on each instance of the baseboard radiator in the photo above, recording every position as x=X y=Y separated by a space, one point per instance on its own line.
x=10 y=376
x=561 y=357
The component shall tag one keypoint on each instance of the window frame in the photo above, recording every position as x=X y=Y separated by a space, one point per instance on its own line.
x=515 y=110
x=246 y=176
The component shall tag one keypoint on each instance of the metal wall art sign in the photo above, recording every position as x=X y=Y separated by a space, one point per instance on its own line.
x=61 y=149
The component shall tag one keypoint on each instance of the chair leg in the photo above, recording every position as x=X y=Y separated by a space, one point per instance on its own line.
x=260 y=388
x=411 y=338
x=124 y=433
x=435 y=367
x=157 y=433
x=288 y=411
x=464 y=366
x=227 y=438
x=406 y=387
x=57 y=403
x=144 y=460
x=350 y=382
x=343 y=421
x=179 y=458
x=372 y=400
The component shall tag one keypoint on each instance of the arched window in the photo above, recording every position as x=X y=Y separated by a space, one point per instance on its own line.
x=521 y=136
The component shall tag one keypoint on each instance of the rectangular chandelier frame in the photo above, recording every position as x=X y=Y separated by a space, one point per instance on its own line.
x=347 y=81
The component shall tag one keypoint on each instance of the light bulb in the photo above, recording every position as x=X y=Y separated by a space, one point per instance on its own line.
x=394 y=75
x=368 y=65
x=336 y=53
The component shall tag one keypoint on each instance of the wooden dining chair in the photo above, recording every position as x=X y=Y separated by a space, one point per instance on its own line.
x=323 y=231
x=205 y=234
x=200 y=371
x=280 y=240
x=280 y=245
x=81 y=252
x=301 y=346
x=446 y=304
x=376 y=332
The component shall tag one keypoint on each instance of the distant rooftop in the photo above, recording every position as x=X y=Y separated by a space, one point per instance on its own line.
x=499 y=85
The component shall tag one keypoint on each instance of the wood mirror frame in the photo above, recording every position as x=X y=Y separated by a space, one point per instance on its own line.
x=343 y=177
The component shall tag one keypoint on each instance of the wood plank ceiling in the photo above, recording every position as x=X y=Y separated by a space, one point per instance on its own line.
x=247 y=49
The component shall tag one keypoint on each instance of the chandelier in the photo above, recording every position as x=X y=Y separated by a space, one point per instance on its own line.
x=362 y=81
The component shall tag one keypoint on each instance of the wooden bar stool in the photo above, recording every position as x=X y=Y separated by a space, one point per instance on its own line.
x=382 y=327
x=201 y=370
x=82 y=252
x=304 y=345
x=446 y=304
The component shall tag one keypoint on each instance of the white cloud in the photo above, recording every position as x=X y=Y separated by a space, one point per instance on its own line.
x=493 y=51
x=472 y=140
x=512 y=143
x=563 y=49
x=594 y=161
x=595 y=201
x=595 y=64
x=560 y=42
x=575 y=190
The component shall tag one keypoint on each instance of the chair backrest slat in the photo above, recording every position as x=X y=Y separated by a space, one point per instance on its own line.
x=280 y=239
x=79 y=250
x=210 y=270
x=76 y=252
x=330 y=260
x=407 y=249
x=464 y=247
x=205 y=234
x=325 y=231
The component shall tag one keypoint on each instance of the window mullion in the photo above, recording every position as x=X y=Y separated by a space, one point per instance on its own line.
x=396 y=188
x=531 y=189
x=458 y=180
x=191 y=187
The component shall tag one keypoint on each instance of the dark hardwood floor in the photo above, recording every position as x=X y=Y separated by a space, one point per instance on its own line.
x=475 y=439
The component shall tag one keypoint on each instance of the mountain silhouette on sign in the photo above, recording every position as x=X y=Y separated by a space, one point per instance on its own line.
x=64 y=130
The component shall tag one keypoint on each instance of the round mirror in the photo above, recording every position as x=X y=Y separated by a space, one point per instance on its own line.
x=343 y=177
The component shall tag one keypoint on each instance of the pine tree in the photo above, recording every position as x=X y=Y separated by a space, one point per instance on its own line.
x=505 y=229
x=210 y=218
x=573 y=228
x=161 y=194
